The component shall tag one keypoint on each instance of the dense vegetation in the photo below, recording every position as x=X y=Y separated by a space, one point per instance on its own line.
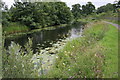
x=93 y=55
x=17 y=63
x=36 y=15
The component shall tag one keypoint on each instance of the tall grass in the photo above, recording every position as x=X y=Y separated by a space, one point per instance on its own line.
x=14 y=28
x=92 y=56
x=17 y=63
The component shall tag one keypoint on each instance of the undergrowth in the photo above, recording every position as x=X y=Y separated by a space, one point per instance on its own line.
x=17 y=63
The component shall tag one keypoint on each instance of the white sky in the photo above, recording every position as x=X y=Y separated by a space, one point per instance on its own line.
x=97 y=3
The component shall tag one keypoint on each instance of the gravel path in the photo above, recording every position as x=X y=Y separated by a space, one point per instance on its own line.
x=116 y=25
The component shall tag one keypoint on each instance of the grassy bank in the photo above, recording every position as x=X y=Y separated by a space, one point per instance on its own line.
x=23 y=30
x=16 y=33
x=14 y=28
x=95 y=55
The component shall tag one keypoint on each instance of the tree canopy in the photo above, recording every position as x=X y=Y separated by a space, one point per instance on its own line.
x=79 y=10
x=40 y=14
x=88 y=8
x=76 y=10
x=106 y=8
x=115 y=7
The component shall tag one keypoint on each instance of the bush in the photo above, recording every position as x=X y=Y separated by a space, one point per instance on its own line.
x=17 y=63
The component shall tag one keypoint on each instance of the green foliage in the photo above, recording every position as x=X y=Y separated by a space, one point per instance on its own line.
x=109 y=16
x=76 y=10
x=14 y=28
x=17 y=63
x=106 y=8
x=40 y=14
x=82 y=11
x=88 y=8
x=5 y=17
x=32 y=15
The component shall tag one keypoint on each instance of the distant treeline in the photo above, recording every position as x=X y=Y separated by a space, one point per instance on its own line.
x=84 y=10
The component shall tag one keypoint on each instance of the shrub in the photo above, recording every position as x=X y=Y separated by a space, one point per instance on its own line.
x=17 y=63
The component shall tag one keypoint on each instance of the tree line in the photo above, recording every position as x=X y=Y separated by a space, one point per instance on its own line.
x=38 y=14
x=84 y=10
x=44 y=14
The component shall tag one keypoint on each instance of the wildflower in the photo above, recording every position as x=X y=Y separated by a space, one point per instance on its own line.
x=63 y=63
x=22 y=65
x=95 y=55
x=68 y=52
x=73 y=46
x=15 y=66
x=68 y=69
x=56 y=56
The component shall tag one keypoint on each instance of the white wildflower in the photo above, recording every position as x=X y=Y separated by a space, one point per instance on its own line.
x=63 y=63
x=56 y=56
x=68 y=69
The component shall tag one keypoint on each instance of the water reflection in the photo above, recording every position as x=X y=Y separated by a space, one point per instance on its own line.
x=48 y=37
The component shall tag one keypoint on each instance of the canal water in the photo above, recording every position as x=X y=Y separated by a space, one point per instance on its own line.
x=46 y=38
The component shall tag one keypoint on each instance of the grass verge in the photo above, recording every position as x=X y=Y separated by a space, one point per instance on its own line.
x=95 y=55
x=14 y=28
x=27 y=31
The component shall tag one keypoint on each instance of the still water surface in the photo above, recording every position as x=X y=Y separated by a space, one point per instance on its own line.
x=47 y=37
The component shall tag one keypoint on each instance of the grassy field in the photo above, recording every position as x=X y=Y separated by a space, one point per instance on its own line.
x=95 y=55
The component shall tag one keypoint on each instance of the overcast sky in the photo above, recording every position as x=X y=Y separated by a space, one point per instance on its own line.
x=97 y=3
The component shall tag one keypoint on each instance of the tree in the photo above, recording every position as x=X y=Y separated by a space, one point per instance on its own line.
x=88 y=8
x=76 y=10
x=5 y=14
x=63 y=13
x=117 y=6
x=39 y=14
x=106 y=8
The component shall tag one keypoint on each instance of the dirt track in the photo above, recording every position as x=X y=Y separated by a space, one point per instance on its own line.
x=116 y=25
